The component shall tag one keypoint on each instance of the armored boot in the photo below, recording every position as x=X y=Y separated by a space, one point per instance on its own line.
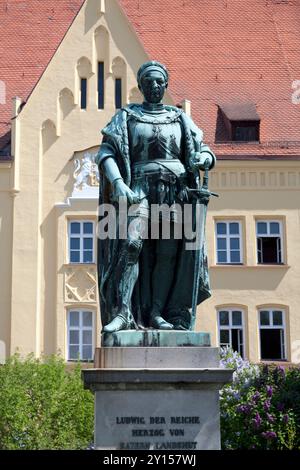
x=162 y=281
x=126 y=276
x=119 y=323
x=158 y=322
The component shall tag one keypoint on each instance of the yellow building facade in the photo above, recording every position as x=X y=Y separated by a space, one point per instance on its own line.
x=48 y=213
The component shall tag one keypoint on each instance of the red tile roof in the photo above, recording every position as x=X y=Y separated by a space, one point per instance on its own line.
x=217 y=51
x=30 y=32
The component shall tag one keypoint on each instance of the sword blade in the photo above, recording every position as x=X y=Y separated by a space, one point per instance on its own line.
x=201 y=210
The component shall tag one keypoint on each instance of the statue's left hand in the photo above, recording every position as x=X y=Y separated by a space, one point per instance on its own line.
x=200 y=161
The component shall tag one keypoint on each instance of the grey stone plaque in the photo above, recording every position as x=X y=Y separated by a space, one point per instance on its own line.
x=157 y=419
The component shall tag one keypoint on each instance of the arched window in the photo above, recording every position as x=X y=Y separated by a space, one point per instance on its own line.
x=83 y=93
x=102 y=57
x=118 y=93
x=84 y=70
x=100 y=85
x=119 y=69
x=272 y=333
x=231 y=328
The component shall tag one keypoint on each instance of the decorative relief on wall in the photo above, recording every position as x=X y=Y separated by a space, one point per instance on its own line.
x=249 y=179
x=86 y=176
x=81 y=284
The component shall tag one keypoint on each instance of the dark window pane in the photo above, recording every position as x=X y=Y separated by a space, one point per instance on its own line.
x=87 y=256
x=235 y=257
x=73 y=352
x=87 y=353
x=118 y=93
x=234 y=243
x=270 y=344
x=75 y=228
x=224 y=317
x=277 y=318
x=87 y=243
x=270 y=252
x=235 y=340
x=74 y=336
x=237 y=318
x=101 y=85
x=75 y=257
x=224 y=337
x=83 y=94
x=87 y=319
x=75 y=243
x=245 y=134
x=221 y=228
x=234 y=228
x=245 y=131
x=74 y=318
x=87 y=228
x=222 y=257
x=221 y=243
x=264 y=318
x=274 y=228
x=261 y=228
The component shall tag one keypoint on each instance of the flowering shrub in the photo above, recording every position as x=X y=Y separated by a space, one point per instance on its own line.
x=255 y=412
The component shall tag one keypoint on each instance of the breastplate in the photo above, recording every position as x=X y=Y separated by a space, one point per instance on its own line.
x=154 y=138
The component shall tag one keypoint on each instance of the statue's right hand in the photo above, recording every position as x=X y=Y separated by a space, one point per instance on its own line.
x=121 y=190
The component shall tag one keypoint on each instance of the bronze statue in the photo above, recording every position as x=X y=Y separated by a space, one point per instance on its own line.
x=151 y=154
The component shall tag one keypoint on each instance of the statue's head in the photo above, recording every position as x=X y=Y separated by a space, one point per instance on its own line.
x=153 y=80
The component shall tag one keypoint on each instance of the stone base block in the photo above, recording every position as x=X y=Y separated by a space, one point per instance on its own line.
x=145 y=406
x=155 y=338
x=153 y=357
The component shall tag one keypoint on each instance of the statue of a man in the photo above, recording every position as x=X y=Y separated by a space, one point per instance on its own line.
x=150 y=154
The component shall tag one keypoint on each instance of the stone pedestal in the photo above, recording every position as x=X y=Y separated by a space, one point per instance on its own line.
x=157 y=398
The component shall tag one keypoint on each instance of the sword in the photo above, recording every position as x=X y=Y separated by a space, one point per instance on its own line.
x=203 y=195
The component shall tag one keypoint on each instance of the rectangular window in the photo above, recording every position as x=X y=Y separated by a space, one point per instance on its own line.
x=80 y=335
x=231 y=329
x=245 y=131
x=118 y=93
x=272 y=334
x=229 y=242
x=83 y=93
x=81 y=241
x=269 y=242
x=100 y=85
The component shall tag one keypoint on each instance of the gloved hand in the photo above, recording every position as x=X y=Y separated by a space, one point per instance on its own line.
x=200 y=161
x=121 y=190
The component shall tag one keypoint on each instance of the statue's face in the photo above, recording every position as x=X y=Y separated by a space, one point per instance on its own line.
x=153 y=86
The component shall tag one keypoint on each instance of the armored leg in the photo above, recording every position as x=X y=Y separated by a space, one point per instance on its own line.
x=162 y=280
x=126 y=275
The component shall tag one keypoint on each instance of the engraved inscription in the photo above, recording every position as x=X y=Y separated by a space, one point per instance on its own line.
x=165 y=427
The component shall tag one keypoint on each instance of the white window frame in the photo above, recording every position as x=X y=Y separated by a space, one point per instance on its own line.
x=270 y=235
x=81 y=328
x=228 y=236
x=81 y=237
x=271 y=326
x=231 y=327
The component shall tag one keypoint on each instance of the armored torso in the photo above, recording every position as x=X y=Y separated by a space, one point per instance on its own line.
x=154 y=135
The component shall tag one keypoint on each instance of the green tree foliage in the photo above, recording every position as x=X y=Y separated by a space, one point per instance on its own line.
x=43 y=405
